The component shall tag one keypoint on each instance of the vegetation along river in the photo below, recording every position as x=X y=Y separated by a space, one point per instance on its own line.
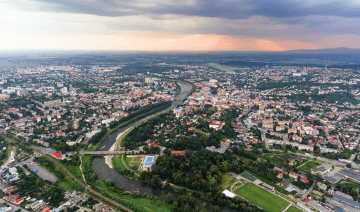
x=104 y=172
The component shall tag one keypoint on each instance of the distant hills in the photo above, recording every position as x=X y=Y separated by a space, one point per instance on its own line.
x=340 y=50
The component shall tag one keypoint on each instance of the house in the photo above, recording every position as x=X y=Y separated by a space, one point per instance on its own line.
x=19 y=201
x=178 y=152
x=322 y=169
x=278 y=169
x=13 y=171
x=293 y=175
x=321 y=186
x=304 y=179
x=56 y=155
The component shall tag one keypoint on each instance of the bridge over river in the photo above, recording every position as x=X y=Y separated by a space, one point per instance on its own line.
x=110 y=153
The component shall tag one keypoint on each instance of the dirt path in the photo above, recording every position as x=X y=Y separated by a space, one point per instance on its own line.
x=82 y=174
x=86 y=186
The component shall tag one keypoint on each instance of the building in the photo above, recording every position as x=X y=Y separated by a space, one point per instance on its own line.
x=267 y=187
x=334 y=179
x=321 y=186
x=228 y=193
x=13 y=171
x=322 y=169
x=56 y=155
x=346 y=199
x=293 y=175
x=178 y=152
x=351 y=174
x=22 y=92
x=4 y=97
x=19 y=201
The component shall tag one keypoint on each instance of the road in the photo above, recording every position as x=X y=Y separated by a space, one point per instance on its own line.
x=308 y=191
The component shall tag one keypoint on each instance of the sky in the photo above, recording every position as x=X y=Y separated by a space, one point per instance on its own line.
x=179 y=25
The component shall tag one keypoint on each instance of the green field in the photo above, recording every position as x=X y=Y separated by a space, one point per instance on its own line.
x=262 y=198
x=128 y=159
x=223 y=67
x=120 y=167
x=293 y=209
x=226 y=181
x=133 y=161
x=137 y=159
x=308 y=166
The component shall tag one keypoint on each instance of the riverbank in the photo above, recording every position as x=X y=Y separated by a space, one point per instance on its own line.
x=185 y=90
x=108 y=158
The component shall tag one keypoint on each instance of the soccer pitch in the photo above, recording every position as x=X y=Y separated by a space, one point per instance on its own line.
x=262 y=198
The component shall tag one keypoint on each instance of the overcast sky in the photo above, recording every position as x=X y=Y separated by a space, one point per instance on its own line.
x=196 y=25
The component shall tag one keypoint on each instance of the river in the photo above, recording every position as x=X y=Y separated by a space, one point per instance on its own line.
x=104 y=172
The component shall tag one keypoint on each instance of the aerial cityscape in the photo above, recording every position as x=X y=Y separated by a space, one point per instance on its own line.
x=168 y=106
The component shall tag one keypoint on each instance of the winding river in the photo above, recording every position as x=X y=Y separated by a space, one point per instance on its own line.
x=105 y=172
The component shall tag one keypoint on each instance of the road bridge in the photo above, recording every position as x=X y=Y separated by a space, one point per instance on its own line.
x=110 y=153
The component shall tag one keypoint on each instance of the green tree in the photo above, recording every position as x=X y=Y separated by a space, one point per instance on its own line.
x=216 y=208
x=169 y=198
x=348 y=165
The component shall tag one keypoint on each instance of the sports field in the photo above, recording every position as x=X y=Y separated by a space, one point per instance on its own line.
x=133 y=161
x=293 y=209
x=262 y=198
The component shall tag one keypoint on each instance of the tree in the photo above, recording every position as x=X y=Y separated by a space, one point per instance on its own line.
x=348 y=165
x=169 y=198
x=216 y=208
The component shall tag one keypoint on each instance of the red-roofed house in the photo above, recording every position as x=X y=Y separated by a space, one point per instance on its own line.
x=56 y=155
x=304 y=179
x=45 y=209
x=293 y=175
x=19 y=201
x=307 y=201
x=178 y=152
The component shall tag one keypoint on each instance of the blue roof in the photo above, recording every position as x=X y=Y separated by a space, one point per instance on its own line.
x=8 y=176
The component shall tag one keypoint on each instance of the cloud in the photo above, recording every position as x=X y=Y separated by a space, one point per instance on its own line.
x=147 y=41
x=229 y=9
x=182 y=25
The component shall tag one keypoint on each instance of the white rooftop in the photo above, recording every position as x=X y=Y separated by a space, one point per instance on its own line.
x=229 y=193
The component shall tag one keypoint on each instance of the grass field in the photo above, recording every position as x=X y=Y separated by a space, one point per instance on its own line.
x=120 y=167
x=133 y=161
x=262 y=198
x=308 y=166
x=293 y=209
x=223 y=67
x=226 y=182
x=244 y=160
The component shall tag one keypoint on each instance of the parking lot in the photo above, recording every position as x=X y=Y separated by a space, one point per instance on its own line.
x=43 y=173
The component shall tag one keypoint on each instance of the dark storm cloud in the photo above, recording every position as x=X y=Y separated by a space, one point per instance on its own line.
x=230 y=9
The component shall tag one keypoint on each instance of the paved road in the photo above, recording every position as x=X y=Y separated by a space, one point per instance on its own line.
x=308 y=191
x=86 y=187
